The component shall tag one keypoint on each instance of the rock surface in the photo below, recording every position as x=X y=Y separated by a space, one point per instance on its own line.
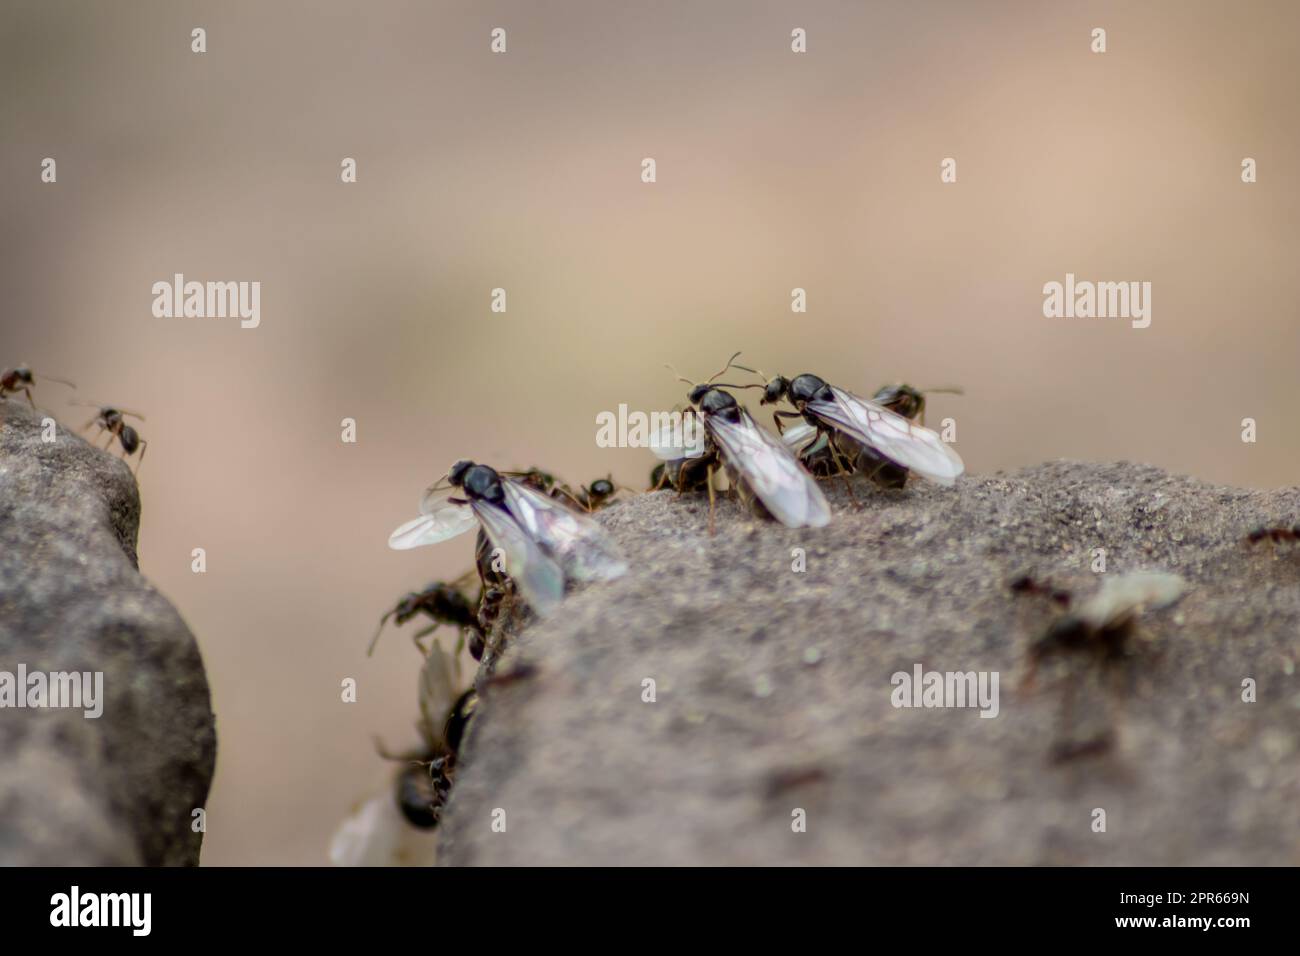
x=118 y=789
x=774 y=688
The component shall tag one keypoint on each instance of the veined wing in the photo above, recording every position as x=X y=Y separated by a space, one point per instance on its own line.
x=578 y=543
x=893 y=436
x=539 y=578
x=437 y=694
x=769 y=468
x=796 y=437
x=438 y=521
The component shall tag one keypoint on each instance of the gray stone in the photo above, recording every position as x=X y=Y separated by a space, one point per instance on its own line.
x=774 y=688
x=118 y=789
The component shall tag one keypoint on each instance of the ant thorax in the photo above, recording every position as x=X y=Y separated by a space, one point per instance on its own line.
x=483 y=482
x=717 y=402
x=806 y=387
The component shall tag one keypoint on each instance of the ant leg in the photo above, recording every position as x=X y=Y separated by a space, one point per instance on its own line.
x=689 y=466
x=419 y=634
x=838 y=457
x=29 y=397
x=144 y=447
x=777 y=416
x=564 y=490
x=712 y=529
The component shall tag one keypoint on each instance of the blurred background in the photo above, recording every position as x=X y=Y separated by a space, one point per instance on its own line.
x=522 y=171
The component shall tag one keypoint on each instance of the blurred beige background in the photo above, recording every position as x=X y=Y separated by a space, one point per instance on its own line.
x=522 y=170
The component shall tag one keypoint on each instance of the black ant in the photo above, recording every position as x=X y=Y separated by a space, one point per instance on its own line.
x=442 y=604
x=21 y=379
x=113 y=421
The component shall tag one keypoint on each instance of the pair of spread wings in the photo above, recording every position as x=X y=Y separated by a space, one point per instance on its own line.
x=885 y=432
x=765 y=465
x=543 y=542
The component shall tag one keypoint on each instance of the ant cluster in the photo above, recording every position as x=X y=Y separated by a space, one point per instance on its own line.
x=111 y=421
x=514 y=512
x=536 y=535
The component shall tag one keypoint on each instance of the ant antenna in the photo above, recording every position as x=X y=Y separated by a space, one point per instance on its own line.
x=763 y=379
x=61 y=381
x=375 y=640
x=945 y=390
x=733 y=358
x=101 y=406
x=680 y=378
x=731 y=363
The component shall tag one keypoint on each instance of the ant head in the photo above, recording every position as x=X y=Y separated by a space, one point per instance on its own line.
x=698 y=392
x=775 y=390
x=457 y=474
x=23 y=374
x=601 y=488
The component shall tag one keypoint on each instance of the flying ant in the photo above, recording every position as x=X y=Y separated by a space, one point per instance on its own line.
x=113 y=421
x=422 y=787
x=862 y=433
x=764 y=473
x=442 y=604
x=1099 y=627
x=21 y=379
x=543 y=544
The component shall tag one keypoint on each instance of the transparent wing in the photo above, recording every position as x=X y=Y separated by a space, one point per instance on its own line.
x=1126 y=594
x=681 y=438
x=578 y=543
x=890 y=434
x=538 y=577
x=797 y=436
x=769 y=468
x=438 y=524
x=437 y=695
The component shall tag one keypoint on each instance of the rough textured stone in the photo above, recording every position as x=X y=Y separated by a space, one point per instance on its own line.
x=119 y=789
x=774 y=688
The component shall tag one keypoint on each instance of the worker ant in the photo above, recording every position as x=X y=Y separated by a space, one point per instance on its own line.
x=21 y=379
x=113 y=421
